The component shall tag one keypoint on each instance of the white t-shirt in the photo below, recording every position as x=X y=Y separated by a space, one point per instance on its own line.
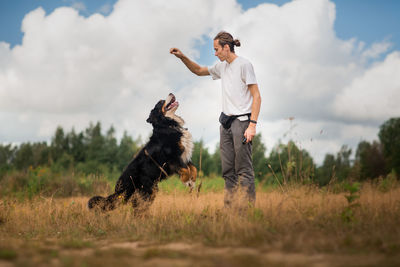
x=235 y=78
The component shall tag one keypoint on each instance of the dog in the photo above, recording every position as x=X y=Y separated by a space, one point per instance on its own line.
x=168 y=152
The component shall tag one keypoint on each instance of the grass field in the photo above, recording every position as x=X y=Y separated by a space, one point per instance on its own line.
x=296 y=226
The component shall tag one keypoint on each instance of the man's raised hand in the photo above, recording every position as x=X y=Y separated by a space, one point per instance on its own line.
x=176 y=52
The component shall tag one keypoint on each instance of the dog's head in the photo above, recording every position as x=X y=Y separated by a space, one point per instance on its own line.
x=163 y=112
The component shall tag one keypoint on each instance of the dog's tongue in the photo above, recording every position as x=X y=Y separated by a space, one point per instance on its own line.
x=174 y=104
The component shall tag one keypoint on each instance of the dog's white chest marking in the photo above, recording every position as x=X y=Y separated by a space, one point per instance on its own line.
x=187 y=143
x=186 y=140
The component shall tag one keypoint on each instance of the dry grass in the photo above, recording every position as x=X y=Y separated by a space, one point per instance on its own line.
x=303 y=220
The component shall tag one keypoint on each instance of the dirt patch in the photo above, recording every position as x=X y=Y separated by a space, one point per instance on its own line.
x=125 y=245
x=109 y=253
x=186 y=254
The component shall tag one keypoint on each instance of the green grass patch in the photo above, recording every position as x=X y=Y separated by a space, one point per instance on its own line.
x=76 y=244
x=7 y=254
x=208 y=184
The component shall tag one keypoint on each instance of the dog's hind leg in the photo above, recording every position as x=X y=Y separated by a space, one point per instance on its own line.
x=104 y=203
x=141 y=201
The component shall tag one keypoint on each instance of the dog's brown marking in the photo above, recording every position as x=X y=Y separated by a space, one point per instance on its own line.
x=188 y=174
x=193 y=170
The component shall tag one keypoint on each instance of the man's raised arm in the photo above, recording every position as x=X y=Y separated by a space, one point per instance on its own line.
x=191 y=65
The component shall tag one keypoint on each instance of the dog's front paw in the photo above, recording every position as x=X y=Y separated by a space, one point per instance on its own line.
x=188 y=175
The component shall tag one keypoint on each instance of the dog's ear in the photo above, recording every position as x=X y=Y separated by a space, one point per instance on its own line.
x=155 y=112
x=151 y=117
x=154 y=115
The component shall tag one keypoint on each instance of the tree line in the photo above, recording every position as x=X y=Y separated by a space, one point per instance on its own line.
x=89 y=151
x=93 y=152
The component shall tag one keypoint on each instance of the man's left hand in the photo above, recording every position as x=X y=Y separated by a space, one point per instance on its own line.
x=250 y=132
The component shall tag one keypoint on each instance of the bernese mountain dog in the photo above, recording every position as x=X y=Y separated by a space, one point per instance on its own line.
x=168 y=152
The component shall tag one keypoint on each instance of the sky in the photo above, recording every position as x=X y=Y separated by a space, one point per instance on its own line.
x=328 y=70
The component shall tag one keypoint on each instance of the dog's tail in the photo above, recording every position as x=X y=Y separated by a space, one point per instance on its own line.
x=104 y=203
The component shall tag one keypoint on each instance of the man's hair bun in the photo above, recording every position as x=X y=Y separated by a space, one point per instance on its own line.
x=236 y=42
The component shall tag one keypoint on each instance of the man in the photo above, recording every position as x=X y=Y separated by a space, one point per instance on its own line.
x=240 y=96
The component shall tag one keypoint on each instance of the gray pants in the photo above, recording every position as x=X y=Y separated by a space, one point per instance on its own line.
x=237 y=165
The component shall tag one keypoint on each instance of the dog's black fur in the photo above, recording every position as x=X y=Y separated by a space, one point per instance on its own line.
x=163 y=152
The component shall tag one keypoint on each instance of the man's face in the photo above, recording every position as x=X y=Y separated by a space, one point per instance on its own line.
x=221 y=52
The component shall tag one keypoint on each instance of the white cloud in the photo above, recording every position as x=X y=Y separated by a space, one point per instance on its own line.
x=373 y=96
x=78 y=6
x=70 y=70
x=376 y=50
x=105 y=9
